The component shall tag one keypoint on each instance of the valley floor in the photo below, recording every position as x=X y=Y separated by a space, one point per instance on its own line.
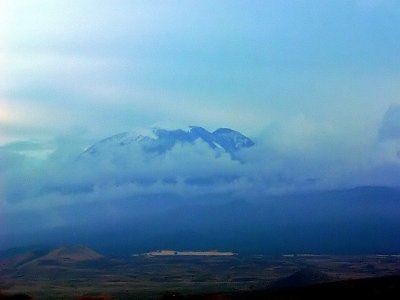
x=143 y=277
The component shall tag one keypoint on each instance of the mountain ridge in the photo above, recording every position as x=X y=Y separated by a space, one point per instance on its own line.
x=162 y=140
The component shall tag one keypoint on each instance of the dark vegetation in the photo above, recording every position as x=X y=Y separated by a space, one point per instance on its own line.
x=80 y=273
x=15 y=297
x=370 y=288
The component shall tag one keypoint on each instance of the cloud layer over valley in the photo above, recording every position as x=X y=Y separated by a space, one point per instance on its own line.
x=314 y=84
x=62 y=185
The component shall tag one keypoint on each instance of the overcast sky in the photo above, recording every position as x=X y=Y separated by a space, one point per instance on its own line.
x=316 y=85
x=102 y=67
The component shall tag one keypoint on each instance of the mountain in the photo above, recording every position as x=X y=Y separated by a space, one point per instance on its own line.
x=362 y=220
x=66 y=255
x=160 y=140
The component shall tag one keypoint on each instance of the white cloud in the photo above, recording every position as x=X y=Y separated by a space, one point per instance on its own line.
x=291 y=157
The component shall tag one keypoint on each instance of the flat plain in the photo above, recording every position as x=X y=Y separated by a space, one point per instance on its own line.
x=145 y=277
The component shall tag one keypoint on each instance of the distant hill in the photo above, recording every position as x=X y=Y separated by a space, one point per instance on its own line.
x=14 y=257
x=19 y=257
x=70 y=255
x=363 y=220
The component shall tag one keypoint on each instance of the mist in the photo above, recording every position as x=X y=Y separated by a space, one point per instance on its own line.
x=314 y=85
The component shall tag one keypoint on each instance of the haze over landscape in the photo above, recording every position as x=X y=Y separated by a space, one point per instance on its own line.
x=267 y=127
x=199 y=149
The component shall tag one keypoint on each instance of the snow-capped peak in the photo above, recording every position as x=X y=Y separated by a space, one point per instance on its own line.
x=160 y=140
x=169 y=125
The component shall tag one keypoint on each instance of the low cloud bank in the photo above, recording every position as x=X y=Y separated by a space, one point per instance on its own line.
x=46 y=181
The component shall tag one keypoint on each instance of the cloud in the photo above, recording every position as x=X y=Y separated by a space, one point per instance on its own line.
x=303 y=79
x=390 y=126
x=61 y=184
x=293 y=156
x=299 y=154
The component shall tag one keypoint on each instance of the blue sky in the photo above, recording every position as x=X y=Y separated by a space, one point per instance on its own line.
x=111 y=66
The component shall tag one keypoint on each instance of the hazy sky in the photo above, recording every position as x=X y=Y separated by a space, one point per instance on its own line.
x=316 y=84
x=102 y=67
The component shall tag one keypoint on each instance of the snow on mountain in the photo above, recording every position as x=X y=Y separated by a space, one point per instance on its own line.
x=162 y=140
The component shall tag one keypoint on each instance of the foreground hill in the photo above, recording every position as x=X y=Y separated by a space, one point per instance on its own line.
x=304 y=277
x=370 y=288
